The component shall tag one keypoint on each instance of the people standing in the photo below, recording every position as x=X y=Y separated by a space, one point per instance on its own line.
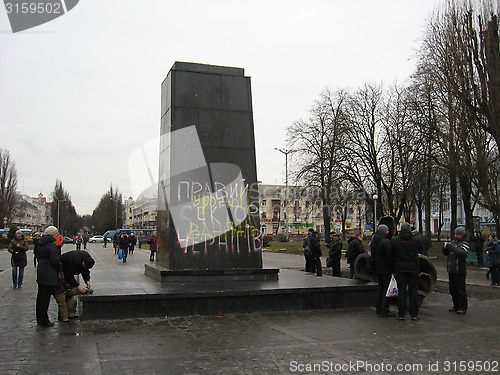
x=124 y=243
x=493 y=259
x=132 y=243
x=59 y=241
x=85 y=240
x=79 y=241
x=153 y=247
x=335 y=252
x=478 y=242
x=405 y=249
x=36 y=239
x=316 y=253
x=105 y=242
x=456 y=252
x=425 y=243
x=309 y=266
x=383 y=268
x=354 y=249
x=116 y=240
x=140 y=239
x=49 y=271
x=18 y=248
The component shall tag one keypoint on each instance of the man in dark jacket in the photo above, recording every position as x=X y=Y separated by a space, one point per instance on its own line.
x=425 y=243
x=380 y=248
x=478 y=242
x=308 y=252
x=48 y=272
x=405 y=249
x=457 y=251
x=316 y=253
x=354 y=249
x=77 y=262
x=335 y=253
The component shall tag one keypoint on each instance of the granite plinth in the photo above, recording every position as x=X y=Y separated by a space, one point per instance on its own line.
x=295 y=290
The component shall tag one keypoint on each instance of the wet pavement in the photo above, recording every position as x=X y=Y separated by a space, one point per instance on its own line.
x=338 y=341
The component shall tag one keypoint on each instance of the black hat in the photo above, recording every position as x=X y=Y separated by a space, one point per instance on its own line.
x=310 y=230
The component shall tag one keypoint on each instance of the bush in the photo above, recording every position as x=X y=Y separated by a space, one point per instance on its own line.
x=281 y=238
x=266 y=240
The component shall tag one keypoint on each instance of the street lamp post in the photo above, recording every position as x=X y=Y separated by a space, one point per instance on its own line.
x=375 y=197
x=286 y=152
x=58 y=217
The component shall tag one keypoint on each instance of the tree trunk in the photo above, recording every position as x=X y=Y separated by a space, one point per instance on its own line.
x=453 y=201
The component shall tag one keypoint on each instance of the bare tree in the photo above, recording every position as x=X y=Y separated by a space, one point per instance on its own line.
x=460 y=56
x=318 y=145
x=8 y=186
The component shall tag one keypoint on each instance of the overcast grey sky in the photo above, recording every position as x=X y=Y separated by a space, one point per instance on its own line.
x=80 y=93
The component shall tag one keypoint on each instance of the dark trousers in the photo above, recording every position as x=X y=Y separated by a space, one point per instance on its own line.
x=317 y=266
x=382 y=304
x=479 y=253
x=152 y=256
x=407 y=280
x=309 y=263
x=42 y=303
x=336 y=268
x=457 y=290
x=351 y=270
x=495 y=275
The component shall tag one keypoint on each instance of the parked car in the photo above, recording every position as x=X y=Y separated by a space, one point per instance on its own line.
x=68 y=239
x=97 y=238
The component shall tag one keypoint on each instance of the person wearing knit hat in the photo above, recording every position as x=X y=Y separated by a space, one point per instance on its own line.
x=51 y=231
x=405 y=250
x=383 y=268
x=47 y=275
x=456 y=252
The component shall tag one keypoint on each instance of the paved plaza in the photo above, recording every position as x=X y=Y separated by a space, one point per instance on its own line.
x=351 y=341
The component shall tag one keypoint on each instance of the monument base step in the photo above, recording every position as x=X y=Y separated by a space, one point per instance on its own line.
x=295 y=290
x=163 y=275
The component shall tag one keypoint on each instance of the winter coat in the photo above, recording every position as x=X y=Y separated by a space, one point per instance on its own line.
x=72 y=265
x=381 y=254
x=132 y=242
x=425 y=243
x=354 y=249
x=49 y=265
x=492 y=251
x=124 y=242
x=405 y=249
x=456 y=251
x=314 y=245
x=19 y=257
x=153 y=244
x=335 y=250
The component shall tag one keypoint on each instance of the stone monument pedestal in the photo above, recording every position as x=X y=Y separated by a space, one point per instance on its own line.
x=208 y=200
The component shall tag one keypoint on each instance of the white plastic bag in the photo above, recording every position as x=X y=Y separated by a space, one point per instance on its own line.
x=392 y=290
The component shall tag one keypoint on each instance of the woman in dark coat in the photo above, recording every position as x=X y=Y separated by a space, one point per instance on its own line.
x=18 y=248
x=49 y=271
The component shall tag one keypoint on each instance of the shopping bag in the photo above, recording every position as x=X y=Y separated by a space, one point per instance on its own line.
x=392 y=290
x=329 y=262
x=120 y=254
